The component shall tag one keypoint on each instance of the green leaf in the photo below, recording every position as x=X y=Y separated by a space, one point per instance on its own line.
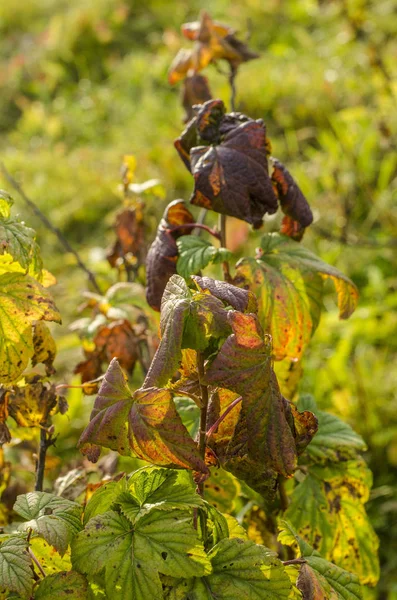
x=5 y=204
x=103 y=498
x=188 y=320
x=19 y=241
x=131 y=556
x=161 y=489
x=327 y=507
x=15 y=567
x=168 y=541
x=343 y=584
x=334 y=439
x=48 y=557
x=195 y=253
x=288 y=282
x=222 y=490
x=56 y=519
x=63 y=585
x=242 y=570
x=22 y=301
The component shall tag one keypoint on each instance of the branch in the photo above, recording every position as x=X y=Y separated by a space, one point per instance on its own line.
x=232 y=83
x=225 y=264
x=193 y=226
x=34 y=559
x=294 y=561
x=64 y=242
x=45 y=443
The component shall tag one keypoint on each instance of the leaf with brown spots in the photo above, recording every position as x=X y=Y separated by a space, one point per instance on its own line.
x=62 y=585
x=31 y=404
x=163 y=253
x=22 y=302
x=334 y=582
x=45 y=349
x=327 y=508
x=262 y=441
x=288 y=281
x=157 y=434
x=146 y=422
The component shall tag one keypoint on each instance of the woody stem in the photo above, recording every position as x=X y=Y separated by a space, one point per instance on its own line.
x=203 y=412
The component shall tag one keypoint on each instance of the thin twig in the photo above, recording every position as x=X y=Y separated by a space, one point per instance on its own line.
x=193 y=226
x=36 y=562
x=45 y=443
x=294 y=561
x=50 y=226
x=203 y=413
x=232 y=83
x=225 y=263
x=215 y=426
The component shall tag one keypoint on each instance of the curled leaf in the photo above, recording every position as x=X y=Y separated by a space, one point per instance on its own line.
x=163 y=253
x=129 y=230
x=195 y=91
x=292 y=201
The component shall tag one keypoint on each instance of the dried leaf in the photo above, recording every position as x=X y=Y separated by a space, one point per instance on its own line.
x=232 y=178
x=241 y=300
x=32 y=404
x=195 y=91
x=163 y=253
x=44 y=346
x=292 y=201
x=129 y=228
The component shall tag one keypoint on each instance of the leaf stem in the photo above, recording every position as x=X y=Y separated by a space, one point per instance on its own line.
x=283 y=494
x=222 y=239
x=36 y=562
x=203 y=413
x=212 y=232
x=64 y=242
x=232 y=83
x=215 y=426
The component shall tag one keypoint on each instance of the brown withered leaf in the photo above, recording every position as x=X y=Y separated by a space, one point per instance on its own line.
x=292 y=201
x=304 y=425
x=213 y=41
x=163 y=253
x=309 y=584
x=232 y=178
x=195 y=91
x=130 y=238
x=292 y=228
x=146 y=422
x=114 y=340
x=44 y=347
x=31 y=405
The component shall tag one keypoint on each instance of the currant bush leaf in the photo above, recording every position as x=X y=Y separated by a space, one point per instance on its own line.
x=62 y=585
x=56 y=519
x=15 y=567
x=333 y=581
x=103 y=498
x=48 y=557
x=335 y=439
x=327 y=508
x=20 y=242
x=195 y=254
x=288 y=280
x=23 y=301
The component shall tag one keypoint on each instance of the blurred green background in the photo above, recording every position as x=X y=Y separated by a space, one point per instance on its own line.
x=84 y=82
